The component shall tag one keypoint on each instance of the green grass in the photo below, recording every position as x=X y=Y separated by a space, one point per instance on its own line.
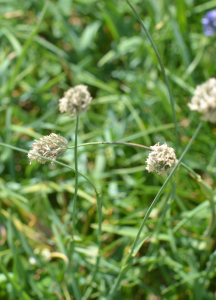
x=45 y=49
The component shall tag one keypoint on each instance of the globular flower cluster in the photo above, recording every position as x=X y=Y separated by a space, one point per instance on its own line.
x=209 y=22
x=161 y=159
x=75 y=101
x=51 y=146
x=204 y=100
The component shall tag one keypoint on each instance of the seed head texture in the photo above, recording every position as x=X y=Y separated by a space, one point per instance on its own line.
x=161 y=159
x=51 y=146
x=204 y=100
x=75 y=101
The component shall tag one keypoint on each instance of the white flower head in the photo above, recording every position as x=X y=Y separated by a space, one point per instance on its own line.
x=204 y=100
x=75 y=101
x=51 y=146
x=161 y=159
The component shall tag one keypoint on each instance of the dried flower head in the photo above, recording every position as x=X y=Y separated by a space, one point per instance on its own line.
x=75 y=101
x=209 y=23
x=51 y=146
x=161 y=159
x=204 y=100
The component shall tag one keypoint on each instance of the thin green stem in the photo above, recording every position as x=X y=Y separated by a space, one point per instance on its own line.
x=129 y=257
x=209 y=194
x=163 y=71
x=72 y=244
x=76 y=187
x=113 y=143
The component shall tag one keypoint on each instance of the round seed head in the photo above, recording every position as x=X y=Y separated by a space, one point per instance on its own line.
x=204 y=100
x=51 y=146
x=75 y=101
x=161 y=159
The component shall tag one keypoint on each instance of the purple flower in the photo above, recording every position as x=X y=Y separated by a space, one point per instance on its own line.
x=209 y=22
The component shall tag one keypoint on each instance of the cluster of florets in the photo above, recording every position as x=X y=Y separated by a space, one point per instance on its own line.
x=51 y=146
x=161 y=159
x=75 y=101
x=209 y=23
x=204 y=100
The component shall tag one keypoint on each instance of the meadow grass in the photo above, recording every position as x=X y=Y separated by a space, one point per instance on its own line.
x=96 y=224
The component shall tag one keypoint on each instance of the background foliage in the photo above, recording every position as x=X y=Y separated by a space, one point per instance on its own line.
x=101 y=44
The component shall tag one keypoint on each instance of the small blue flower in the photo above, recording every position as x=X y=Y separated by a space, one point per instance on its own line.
x=209 y=23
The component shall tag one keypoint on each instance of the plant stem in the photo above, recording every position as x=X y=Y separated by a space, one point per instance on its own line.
x=113 y=143
x=209 y=194
x=72 y=244
x=163 y=71
x=129 y=257
x=76 y=188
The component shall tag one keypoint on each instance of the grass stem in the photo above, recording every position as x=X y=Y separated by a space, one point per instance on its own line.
x=76 y=188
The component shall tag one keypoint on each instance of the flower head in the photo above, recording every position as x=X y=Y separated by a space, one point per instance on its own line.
x=161 y=159
x=75 y=101
x=204 y=100
x=51 y=146
x=209 y=22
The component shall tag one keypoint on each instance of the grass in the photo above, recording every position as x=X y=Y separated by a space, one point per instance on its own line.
x=47 y=47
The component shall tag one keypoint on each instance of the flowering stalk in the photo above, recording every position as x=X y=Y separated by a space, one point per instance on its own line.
x=76 y=187
x=129 y=259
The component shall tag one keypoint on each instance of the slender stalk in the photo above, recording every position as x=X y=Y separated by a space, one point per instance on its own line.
x=113 y=143
x=163 y=71
x=128 y=259
x=76 y=187
x=209 y=194
x=72 y=244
